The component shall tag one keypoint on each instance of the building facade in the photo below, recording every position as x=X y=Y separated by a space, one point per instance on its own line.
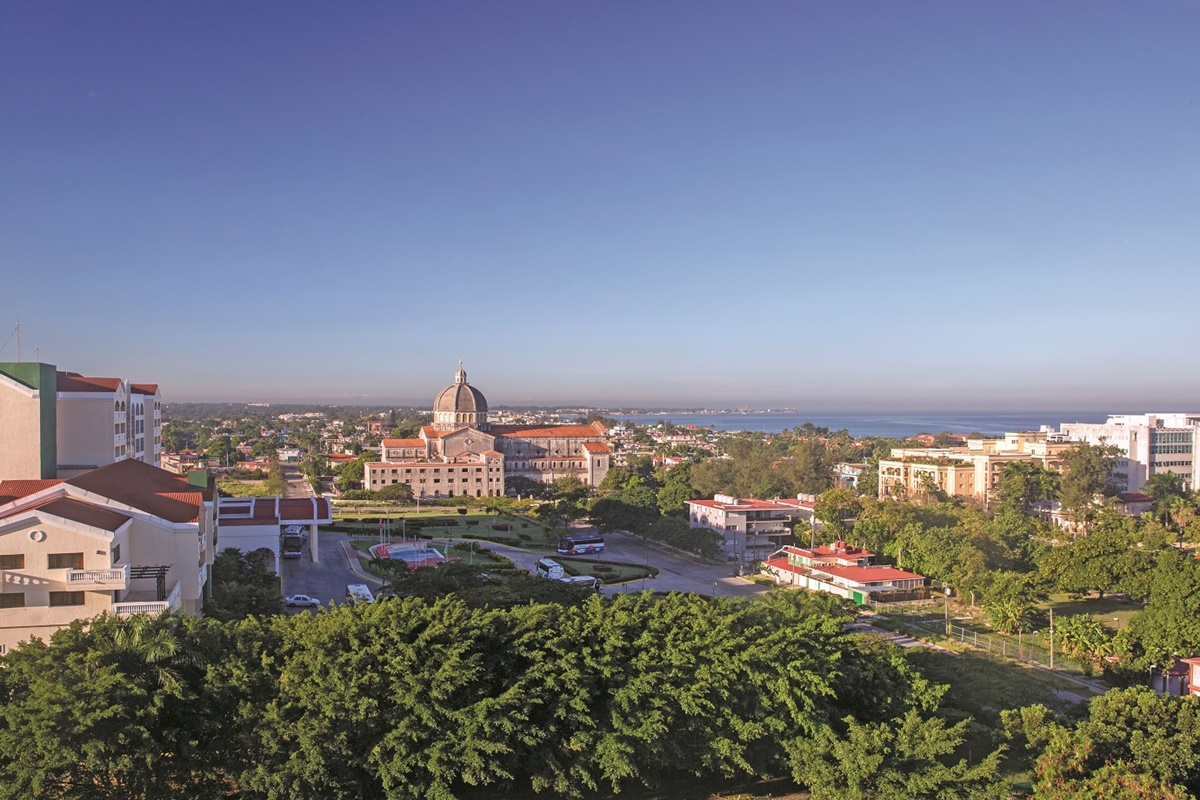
x=972 y=471
x=846 y=572
x=463 y=454
x=752 y=528
x=56 y=424
x=1150 y=444
x=127 y=538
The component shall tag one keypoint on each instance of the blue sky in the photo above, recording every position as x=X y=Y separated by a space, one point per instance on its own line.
x=864 y=205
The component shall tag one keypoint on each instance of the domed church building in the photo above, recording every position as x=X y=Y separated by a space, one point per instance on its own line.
x=462 y=454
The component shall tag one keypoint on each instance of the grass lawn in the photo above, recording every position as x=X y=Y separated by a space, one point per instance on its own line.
x=606 y=571
x=237 y=488
x=444 y=527
x=1112 y=611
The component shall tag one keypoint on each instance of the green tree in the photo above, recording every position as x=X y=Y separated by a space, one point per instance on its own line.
x=676 y=490
x=243 y=584
x=899 y=759
x=1088 y=474
x=1165 y=490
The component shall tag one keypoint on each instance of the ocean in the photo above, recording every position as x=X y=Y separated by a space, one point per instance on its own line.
x=897 y=426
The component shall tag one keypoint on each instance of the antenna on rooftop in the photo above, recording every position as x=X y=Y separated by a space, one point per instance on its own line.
x=18 y=341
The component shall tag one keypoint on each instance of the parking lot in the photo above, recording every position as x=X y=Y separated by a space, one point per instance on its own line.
x=325 y=581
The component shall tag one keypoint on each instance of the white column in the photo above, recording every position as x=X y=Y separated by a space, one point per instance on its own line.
x=312 y=543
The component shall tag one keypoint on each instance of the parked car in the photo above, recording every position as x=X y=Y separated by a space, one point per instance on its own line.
x=302 y=600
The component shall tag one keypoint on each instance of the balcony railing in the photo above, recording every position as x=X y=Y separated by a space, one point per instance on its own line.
x=103 y=579
x=150 y=607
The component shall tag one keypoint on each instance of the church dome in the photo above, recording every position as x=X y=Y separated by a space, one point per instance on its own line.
x=460 y=404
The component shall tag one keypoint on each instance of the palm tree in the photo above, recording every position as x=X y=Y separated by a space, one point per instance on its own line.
x=145 y=646
x=1163 y=489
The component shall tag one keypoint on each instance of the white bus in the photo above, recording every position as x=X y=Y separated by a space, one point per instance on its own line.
x=549 y=568
x=358 y=593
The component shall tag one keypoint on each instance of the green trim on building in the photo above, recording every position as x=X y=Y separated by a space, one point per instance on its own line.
x=44 y=379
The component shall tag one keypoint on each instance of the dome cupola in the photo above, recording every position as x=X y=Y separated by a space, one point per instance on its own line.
x=460 y=405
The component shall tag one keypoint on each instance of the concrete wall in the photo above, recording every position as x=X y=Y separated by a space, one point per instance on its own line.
x=87 y=429
x=28 y=421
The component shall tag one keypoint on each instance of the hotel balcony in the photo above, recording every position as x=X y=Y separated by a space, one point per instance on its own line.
x=152 y=607
x=114 y=579
x=143 y=602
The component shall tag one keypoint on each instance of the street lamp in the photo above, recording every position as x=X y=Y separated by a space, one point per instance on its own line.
x=714 y=588
x=946 y=591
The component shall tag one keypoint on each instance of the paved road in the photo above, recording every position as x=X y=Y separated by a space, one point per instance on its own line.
x=675 y=573
x=297 y=486
x=327 y=580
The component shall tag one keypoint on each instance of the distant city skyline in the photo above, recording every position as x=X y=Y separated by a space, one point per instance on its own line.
x=820 y=206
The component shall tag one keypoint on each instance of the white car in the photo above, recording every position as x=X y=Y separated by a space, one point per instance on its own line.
x=302 y=600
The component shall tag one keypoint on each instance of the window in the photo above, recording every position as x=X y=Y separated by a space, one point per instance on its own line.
x=66 y=561
x=12 y=600
x=16 y=561
x=66 y=599
x=115 y=554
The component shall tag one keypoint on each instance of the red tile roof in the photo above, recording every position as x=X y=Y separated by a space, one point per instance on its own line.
x=85 y=513
x=869 y=574
x=146 y=488
x=838 y=550
x=550 y=431
x=404 y=443
x=306 y=509
x=595 y=447
x=746 y=503
x=13 y=490
x=144 y=388
x=74 y=382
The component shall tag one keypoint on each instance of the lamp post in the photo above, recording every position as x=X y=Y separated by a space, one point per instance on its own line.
x=714 y=588
x=946 y=591
x=1151 y=677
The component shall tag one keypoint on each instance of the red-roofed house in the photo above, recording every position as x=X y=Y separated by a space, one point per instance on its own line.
x=59 y=424
x=845 y=571
x=461 y=435
x=125 y=538
x=752 y=528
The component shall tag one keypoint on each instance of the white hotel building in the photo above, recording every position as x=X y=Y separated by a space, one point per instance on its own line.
x=56 y=424
x=1150 y=444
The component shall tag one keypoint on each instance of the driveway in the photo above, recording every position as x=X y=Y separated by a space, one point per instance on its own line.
x=327 y=580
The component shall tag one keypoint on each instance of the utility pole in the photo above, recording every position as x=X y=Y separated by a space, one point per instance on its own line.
x=1052 y=638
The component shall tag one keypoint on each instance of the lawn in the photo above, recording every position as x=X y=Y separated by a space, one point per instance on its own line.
x=235 y=488
x=443 y=527
x=1114 y=611
x=607 y=571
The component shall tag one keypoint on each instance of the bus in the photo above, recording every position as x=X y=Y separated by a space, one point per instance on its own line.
x=358 y=593
x=548 y=568
x=578 y=545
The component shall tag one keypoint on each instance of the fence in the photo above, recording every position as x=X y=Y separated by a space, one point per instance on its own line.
x=1019 y=648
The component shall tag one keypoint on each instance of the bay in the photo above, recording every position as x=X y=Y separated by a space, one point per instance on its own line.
x=894 y=425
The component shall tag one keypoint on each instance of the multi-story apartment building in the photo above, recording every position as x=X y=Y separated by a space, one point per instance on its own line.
x=752 y=528
x=56 y=424
x=971 y=471
x=126 y=538
x=463 y=454
x=1150 y=444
